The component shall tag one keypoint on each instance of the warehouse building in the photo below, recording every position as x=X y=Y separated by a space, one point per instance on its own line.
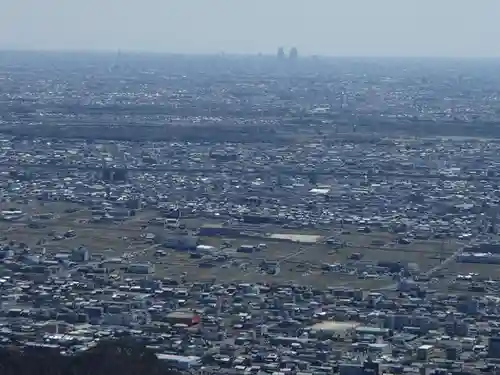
x=183 y=317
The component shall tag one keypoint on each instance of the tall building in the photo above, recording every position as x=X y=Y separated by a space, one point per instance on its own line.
x=114 y=175
x=294 y=54
x=281 y=53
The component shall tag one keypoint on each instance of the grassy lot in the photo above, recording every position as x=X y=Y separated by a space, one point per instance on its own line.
x=299 y=262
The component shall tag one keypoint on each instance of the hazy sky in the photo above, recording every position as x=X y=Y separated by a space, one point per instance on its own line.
x=323 y=27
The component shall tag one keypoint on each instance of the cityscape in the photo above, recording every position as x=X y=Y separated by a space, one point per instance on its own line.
x=279 y=214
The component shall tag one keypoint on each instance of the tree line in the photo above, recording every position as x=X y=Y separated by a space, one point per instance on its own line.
x=120 y=357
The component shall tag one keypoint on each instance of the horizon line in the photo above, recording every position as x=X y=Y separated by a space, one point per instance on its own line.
x=236 y=54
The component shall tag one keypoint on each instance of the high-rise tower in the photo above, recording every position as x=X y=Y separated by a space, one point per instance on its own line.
x=281 y=53
x=294 y=54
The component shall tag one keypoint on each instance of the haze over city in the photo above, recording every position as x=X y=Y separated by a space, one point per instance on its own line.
x=319 y=27
x=281 y=187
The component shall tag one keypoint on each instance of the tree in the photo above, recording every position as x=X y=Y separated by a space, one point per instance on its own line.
x=114 y=357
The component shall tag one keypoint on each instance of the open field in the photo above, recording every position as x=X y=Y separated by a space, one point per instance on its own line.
x=484 y=270
x=299 y=262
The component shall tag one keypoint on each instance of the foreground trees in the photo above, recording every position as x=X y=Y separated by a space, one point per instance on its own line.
x=107 y=358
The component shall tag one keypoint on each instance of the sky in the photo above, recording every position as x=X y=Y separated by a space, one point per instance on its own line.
x=441 y=28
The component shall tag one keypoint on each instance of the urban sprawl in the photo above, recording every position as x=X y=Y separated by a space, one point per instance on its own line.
x=251 y=215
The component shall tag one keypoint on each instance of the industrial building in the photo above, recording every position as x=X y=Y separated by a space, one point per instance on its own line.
x=333 y=329
x=183 y=317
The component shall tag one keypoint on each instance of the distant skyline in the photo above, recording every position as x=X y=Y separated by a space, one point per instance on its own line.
x=378 y=28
